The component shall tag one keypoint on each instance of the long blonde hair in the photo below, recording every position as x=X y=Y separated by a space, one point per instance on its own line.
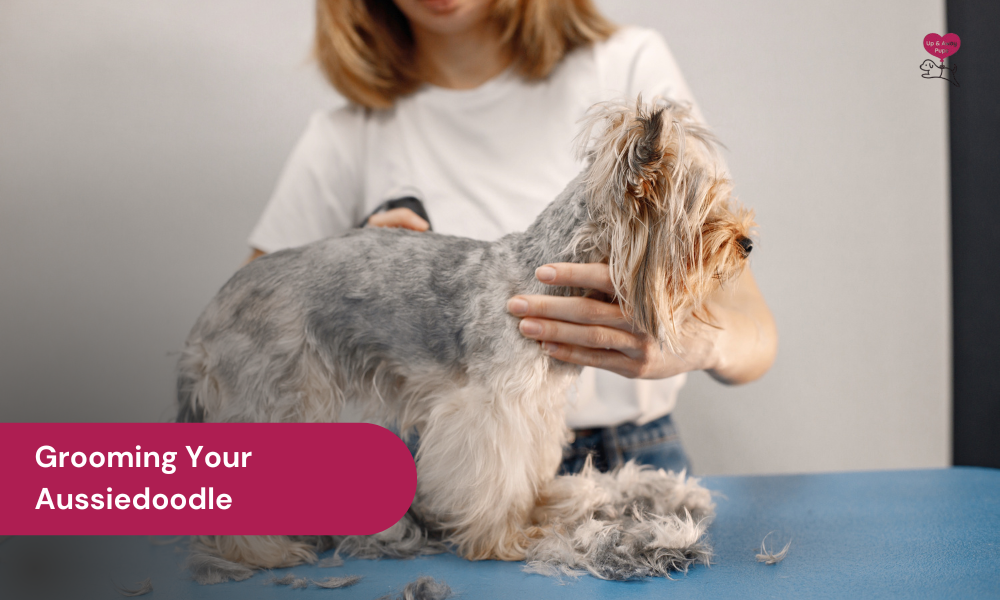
x=365 y=47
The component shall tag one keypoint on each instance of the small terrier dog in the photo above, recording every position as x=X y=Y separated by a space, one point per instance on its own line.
x=410 y=330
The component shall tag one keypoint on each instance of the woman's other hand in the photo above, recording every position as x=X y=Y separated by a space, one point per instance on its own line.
x=593 y=333
x=398 y=217
x=255 y=253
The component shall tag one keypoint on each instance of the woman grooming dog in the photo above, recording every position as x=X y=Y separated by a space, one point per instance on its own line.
x=471 y=107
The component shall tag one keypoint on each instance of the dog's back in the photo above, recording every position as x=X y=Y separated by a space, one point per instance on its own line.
x=376 y=303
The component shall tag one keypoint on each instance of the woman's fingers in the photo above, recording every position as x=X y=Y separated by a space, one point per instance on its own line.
x=399 y=217
x=588 y=336
x=591 y=276
x=593 y=333
x=572 y=309
x=582 y=330
x=609 y=360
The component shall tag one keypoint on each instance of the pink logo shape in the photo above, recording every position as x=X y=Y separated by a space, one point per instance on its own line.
x=942 y=46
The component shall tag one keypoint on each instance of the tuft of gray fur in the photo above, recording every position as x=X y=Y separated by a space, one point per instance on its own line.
x=405 y=539
x=290 y=580
x=208 y=569
x=331 y=583
x=769 y=557
x=145 y=587
x=331 y=561
x=642 y=523
x=424 y=588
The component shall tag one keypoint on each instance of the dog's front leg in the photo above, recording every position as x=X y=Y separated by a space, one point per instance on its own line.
x=483 y=459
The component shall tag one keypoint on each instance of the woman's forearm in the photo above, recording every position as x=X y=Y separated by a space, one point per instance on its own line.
x=745 y=338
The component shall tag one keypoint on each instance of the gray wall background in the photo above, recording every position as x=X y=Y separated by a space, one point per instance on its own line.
x=139 y=141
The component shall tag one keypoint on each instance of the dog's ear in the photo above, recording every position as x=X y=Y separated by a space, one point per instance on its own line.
x=640 y=174
x=628 y=157
x=632 y=161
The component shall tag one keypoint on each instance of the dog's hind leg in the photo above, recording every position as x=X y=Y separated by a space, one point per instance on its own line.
x=481 y=463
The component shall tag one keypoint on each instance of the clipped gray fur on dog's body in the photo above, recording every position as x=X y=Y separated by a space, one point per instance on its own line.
x=410 y=330
x=385 y=302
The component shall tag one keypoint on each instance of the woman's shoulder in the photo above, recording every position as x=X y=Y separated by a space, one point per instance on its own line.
x=341 y=118
x=336 y=132
x=637 y=60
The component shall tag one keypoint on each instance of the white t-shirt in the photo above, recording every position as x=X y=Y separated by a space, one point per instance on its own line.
x=484 y=162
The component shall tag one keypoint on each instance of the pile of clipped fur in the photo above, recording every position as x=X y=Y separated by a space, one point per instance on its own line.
x=637 y=522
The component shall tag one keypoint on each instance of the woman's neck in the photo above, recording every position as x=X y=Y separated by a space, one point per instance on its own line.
x=460 y=61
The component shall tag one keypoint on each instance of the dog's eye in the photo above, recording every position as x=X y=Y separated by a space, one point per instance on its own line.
x=747 y=245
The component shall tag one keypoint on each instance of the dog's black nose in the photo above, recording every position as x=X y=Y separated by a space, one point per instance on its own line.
x=747 y=245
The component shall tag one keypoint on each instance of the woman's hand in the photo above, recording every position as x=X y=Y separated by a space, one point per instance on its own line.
x=398 y=217
x=590 y=332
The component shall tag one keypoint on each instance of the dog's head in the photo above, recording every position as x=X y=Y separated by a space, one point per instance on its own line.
x=927 y=65
x=660 y=213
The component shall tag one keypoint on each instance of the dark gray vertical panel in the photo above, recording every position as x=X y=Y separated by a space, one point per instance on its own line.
x=975 y=227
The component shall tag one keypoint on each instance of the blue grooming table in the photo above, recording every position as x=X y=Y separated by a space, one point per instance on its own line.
x=898 y=534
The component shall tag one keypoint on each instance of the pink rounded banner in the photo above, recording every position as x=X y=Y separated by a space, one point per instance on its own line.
x=202 y=478
x=942 y=46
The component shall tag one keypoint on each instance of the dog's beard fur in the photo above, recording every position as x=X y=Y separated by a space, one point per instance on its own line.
x=300 y=334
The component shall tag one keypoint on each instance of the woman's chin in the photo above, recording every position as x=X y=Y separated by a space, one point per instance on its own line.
x=445 y=17
x=440 y=7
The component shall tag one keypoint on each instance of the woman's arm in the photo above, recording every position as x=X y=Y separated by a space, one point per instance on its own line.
x=738 y=347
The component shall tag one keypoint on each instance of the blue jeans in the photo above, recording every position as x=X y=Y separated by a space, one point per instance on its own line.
x=656 y=444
